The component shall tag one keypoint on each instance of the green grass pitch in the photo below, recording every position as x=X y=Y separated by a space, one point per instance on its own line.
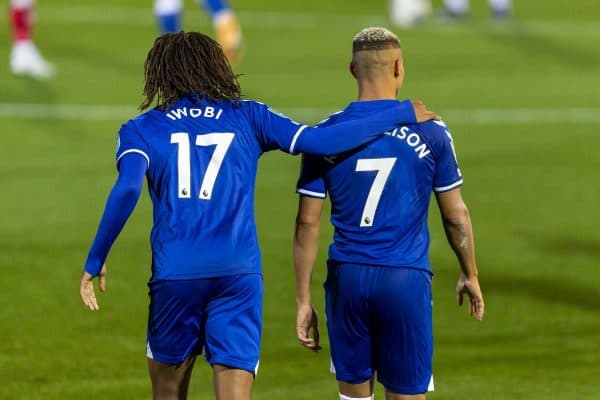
x=522 y=100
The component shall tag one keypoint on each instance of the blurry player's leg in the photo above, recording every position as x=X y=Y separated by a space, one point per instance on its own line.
x=231 y=383
x=168 y=15
x=501 y=9
x=25 y=59
x=227 y=28
x=170 y=382
x=456 y=8
x=405 y=13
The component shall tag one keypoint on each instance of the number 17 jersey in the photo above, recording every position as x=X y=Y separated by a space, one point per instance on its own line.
x=202 y=158
x=380 y=192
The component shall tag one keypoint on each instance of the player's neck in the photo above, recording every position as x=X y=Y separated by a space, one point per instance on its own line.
x=375 y=91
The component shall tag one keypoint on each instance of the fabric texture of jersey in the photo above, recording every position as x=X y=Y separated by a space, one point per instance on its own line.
x=202 y=158
x=222 y=315
x=380 y=192
x=380 y=319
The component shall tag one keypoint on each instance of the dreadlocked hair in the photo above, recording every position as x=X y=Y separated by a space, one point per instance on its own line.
x=185 y=63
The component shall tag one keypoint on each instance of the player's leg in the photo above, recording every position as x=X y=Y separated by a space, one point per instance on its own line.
x=406 y=13
x=25 y=59
x=403 y=339
x=233 y=333
x=456 y=8
x=170 y=382
x=175 y=334
x=232 y=383
x=168 y=15
x=227 y=28
x=501 y=9
x=348 y=323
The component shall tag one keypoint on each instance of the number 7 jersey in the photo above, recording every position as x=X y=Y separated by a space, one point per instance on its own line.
x=202 y=160
x=380 y=192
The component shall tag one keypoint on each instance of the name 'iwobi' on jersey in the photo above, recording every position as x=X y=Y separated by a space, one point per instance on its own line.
x=380 y=193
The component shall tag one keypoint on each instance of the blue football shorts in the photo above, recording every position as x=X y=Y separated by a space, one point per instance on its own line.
x=222 y=315
x=380 y=321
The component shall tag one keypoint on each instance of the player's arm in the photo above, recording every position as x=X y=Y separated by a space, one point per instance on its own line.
x=457 y=224
x=335 y=139
x=119 y=206
x=306 y=246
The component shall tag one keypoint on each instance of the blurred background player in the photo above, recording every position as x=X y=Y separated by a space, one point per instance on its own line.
x=227 y=28
x=500 y=9
x=406 y=13
x=25 y=59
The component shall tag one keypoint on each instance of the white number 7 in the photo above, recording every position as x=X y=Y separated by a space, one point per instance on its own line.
x=182 y=139
x=383 y=166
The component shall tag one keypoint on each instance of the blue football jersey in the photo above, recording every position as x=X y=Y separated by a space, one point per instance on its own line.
x=380 y=192
x=202 y=159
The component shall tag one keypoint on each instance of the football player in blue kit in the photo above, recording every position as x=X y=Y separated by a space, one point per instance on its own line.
x=199 y=149
x=378 y=286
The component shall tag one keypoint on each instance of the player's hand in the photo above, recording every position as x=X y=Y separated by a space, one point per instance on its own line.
x=86 y=288
x=307 y=322
x=470 y=287
x=422 y=113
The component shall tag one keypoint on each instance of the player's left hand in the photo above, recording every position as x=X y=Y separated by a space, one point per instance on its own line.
x=470 y=287
x=307 y=321
x=86 y=288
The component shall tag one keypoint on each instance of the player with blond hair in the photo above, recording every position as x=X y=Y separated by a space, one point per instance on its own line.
x=378 y=287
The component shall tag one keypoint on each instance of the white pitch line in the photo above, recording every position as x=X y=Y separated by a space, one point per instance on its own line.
x=273 y=20
x=481 y=116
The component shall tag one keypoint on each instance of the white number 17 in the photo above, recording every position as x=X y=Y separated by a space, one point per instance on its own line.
x=383 y=166
x=222 y=141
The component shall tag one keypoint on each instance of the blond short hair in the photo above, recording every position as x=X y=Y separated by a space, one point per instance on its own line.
x=375 y=38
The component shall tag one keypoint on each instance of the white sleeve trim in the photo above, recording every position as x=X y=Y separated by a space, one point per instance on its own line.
x=446 y=188
x=134 y=151
x=295 y=139
x=311 y=193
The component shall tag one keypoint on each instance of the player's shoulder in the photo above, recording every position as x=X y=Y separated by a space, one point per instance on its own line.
x=433 y=131
x=332 y=119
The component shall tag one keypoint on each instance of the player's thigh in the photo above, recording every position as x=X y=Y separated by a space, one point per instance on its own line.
x=234 y=322
x=402 y=330
x=348 y=323
x=170 y=381
x=232 y=383
x=176 y=319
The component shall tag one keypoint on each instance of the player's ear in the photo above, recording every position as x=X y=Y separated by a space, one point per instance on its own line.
x=352 y=69
x=398 y=70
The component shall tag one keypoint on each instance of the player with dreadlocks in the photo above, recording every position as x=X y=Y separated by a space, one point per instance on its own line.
x=199 y=149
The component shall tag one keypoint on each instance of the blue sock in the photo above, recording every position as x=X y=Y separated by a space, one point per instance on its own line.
x=169 y=23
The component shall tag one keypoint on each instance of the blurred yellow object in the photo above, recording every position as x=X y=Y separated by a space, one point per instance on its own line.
x=229 y=36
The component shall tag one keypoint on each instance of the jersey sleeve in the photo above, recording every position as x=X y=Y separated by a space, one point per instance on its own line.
x=447 y=173
x=130 y=141
x=277 y=131
x=311 y=183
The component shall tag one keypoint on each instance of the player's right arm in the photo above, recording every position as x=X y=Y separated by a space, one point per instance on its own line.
x=278 y=131
x=455 y=218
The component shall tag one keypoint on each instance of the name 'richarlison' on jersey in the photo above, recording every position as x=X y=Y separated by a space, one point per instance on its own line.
x=412 y=139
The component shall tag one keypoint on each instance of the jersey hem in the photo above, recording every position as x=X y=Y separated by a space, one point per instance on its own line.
x=310 y=193
x=448 y=187
x=205 y=275
x=133 y=151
